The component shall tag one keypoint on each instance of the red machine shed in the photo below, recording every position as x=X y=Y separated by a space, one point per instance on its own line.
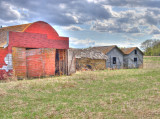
x=32 y=50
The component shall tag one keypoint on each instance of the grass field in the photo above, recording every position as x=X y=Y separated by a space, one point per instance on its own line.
x=109 y=94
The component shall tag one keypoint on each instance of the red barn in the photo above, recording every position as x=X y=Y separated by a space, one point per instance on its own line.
x=32 y=50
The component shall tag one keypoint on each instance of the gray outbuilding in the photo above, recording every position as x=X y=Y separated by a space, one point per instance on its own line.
x=133 y=57
x=115 y=56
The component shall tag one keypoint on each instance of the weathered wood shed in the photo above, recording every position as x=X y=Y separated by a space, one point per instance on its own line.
x=71 y=61
x=32 y=50
x=90 y=59
x=133 y=57
x=114 y=54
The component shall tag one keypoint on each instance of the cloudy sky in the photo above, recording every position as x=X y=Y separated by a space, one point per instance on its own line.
x=126 y=23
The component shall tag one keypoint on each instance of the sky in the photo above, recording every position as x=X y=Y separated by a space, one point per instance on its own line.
x=88 y=23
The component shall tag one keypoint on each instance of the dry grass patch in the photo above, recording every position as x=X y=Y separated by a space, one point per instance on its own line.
x=125 y=93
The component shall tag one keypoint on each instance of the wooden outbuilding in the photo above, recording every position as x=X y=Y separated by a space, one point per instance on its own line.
x=133 y=57
x=90 y=59
x=32 y=50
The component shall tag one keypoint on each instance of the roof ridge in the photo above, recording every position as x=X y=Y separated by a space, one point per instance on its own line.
x=15 y=25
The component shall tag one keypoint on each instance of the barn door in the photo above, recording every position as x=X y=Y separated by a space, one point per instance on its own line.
x=61 y=62
x=136 y=62
x=19 y=62
x=40 y=62
x=35 y=64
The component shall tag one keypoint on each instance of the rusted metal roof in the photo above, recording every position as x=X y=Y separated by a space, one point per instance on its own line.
x=4 y=30
x=17 y=28
x=127 y=51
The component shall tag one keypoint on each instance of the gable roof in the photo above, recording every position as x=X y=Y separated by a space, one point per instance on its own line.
x=106 y=49
x=127 y=51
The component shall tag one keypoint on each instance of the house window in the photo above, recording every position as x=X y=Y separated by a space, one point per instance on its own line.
x=114 y=60
x=135 y=59
x=135 y=51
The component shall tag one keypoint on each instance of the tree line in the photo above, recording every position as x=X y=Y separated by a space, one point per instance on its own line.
x=151 y=47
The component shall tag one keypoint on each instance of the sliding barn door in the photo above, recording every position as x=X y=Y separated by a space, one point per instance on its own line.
x=40 y=62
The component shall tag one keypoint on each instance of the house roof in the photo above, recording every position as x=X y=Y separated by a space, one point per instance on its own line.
x=106 y=49
x=127 y=51
x=17 y=28
x=89 y=53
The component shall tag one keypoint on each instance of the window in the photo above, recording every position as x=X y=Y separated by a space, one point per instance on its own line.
x=135 y=51
x=135 y=59
x=114 y=60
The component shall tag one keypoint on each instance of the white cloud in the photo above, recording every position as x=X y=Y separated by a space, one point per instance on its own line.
x=95 y=1
x=156 y=36
x=73 y=28
x=8 y=11
x=129 y=21
x=62 y=6
x=80 y=43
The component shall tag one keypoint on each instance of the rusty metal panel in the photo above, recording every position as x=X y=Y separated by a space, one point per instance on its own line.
x=19 y=62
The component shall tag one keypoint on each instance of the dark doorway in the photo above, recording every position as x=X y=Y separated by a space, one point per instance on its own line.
x=57 y=63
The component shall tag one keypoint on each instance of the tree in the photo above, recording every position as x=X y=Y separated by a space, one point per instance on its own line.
x=146 y=44
x=151 y=47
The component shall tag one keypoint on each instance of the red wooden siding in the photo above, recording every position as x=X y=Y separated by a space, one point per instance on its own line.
x=40 y=62
x=34 y=63
x=49 y=61
x=19 y=62
x=32 y=40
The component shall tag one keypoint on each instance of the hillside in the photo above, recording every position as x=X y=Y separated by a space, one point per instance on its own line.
x=125 y=93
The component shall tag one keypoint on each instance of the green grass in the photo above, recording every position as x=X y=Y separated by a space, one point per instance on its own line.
x=110 y=94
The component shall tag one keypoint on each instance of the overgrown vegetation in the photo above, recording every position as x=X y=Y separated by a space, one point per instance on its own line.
x=126 y=93
x=151 y=47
